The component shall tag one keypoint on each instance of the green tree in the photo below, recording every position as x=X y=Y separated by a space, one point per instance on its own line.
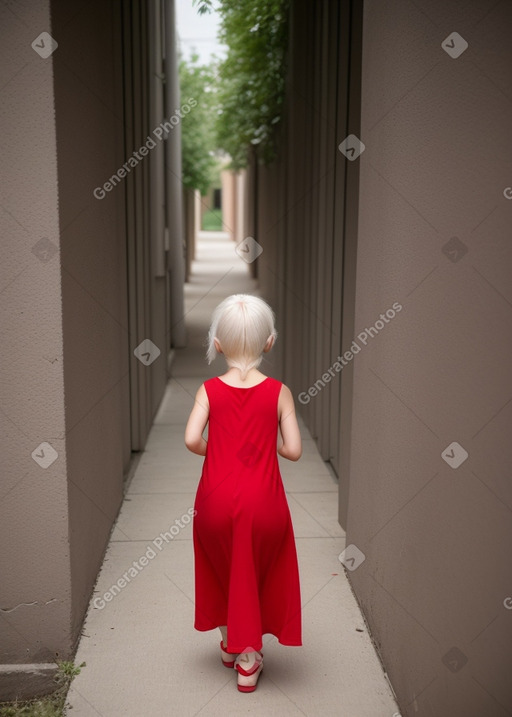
x=198 y=142
x=251 y=78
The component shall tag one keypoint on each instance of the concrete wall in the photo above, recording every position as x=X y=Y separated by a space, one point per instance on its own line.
x=298 y=215
x=228 y=194
x=88 y=85
x=343 y=241
x=36 y=597
x=233 y=191
x=64 y=324
x=436 y=538
x=84 y=281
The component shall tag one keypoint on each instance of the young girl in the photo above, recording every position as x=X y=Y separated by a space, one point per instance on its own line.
x=246 y=572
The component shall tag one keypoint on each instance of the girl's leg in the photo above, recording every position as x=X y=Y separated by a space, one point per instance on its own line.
x=228 y=659
x=224 y=632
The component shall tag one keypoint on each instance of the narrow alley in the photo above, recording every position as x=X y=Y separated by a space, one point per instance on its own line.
x=349 y=162
x=142 y=653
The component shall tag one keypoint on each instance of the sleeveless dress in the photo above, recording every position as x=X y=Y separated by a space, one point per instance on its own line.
x=246 y=570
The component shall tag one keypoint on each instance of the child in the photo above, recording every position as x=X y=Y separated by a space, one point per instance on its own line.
x=246 y=572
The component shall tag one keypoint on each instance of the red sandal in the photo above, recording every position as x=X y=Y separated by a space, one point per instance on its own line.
x=228 y=658
x=248 y=674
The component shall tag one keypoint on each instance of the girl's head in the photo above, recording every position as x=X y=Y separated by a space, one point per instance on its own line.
x=242 y=329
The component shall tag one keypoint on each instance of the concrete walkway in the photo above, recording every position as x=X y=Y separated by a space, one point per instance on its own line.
x=144 y=658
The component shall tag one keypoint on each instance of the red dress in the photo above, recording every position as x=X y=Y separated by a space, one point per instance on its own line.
x=246 y=571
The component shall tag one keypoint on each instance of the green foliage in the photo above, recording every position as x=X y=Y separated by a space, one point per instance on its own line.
x=251 y=79
x=197 y=129
x=212 y=221
x=51 y=706
x=203 y=6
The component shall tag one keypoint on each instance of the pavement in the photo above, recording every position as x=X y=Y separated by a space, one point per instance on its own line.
x=143 y=656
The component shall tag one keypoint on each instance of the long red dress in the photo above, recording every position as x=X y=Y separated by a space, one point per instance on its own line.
x=246 y=571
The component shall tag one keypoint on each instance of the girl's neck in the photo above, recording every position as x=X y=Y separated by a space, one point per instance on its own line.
x=233 y=377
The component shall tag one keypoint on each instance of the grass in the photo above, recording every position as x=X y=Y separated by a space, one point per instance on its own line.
x=212 y=220
x=53 y=705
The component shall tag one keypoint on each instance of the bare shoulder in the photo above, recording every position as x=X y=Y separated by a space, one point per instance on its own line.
x=285 y=399
x=285 y=392
x=202 y=396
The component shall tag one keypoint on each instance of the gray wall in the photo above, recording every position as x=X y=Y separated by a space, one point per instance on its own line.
x=437 y=540
x=298 y=222
x=88 y=85
x=343 y=241
x=35 y=582
x=72 y=316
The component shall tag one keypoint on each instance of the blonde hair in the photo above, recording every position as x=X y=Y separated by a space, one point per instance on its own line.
x=242 y=324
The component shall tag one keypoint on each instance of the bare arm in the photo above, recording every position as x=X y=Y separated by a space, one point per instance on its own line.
x=197 y=422
x=291 y=445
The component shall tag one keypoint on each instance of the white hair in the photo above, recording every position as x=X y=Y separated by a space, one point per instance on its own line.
x=242 y=324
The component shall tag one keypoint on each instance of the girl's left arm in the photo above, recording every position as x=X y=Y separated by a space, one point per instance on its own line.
x=197 y=422
x=291 y=445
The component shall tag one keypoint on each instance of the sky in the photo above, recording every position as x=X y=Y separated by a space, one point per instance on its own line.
x=197 y=32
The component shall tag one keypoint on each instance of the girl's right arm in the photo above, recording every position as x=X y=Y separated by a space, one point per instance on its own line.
x=197 y=422
x=291 y=446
